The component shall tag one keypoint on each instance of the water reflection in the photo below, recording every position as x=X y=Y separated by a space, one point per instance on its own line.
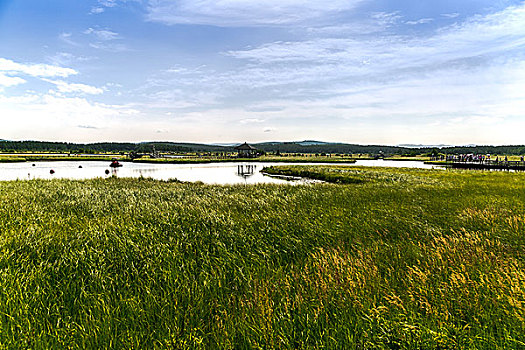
x=245 y=171
x=212 y=173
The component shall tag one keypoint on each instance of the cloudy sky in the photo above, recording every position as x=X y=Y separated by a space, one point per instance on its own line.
x=356 y=71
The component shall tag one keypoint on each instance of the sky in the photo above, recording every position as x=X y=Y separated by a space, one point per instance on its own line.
x=217 y=71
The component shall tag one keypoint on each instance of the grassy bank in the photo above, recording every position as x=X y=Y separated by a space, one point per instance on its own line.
x=401 y=259
x=53 y=158
x=409 y=159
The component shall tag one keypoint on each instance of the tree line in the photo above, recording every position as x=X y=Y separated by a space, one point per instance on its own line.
x=274 y=147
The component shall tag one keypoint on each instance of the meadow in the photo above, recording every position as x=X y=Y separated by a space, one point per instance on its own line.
x=287 y=158
x=380 y=258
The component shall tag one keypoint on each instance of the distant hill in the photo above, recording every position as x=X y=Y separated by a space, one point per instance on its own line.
x=311 y=143
x=325 y=147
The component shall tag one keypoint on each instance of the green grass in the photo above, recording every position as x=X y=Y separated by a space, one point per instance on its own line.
x=53 y=158
x=402 y=259
x=49 y=158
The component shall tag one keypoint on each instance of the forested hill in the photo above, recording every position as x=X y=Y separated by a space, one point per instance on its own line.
x=282 y=147
x=42 y=146
x=307 y=147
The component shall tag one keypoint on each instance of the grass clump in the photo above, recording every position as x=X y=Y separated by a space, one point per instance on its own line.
x=348 y=175
x=402 y=259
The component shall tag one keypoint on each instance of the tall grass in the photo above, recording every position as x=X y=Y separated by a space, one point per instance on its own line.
x=402 y=259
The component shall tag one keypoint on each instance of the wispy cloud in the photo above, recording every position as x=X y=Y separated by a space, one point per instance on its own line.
x=67 y=38
x=420 y=21
x=251 y=121
x=66 y=58
x=450 y=15
x=110 y=47
x=102 y=34
x=105 y=40
x=245 y=12
x=108 y=3
x=322 y=59
x=65 y=87
x=104 y=4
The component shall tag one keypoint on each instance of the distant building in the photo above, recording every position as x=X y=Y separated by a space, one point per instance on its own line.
x=246 y=151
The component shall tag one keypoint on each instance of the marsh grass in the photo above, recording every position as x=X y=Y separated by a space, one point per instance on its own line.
x=401 y=259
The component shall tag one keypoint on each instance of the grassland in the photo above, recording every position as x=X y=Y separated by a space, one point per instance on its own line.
x=399 y=259
x=262 y=159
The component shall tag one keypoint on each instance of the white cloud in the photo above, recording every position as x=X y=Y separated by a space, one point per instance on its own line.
x=8 y=81
x=35 y=70
x=59 y=118
x=251 y=120
x=245 y=12
x=96 y=10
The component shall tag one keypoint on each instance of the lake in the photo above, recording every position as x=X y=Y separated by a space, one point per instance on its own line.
x=211 y=173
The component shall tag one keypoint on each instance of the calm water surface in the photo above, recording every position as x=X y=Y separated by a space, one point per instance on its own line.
x=212 y=173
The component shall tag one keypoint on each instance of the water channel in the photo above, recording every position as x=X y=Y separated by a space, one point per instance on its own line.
x=212 y=173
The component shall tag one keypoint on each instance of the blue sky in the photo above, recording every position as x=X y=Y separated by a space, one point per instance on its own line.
x=356 y=71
